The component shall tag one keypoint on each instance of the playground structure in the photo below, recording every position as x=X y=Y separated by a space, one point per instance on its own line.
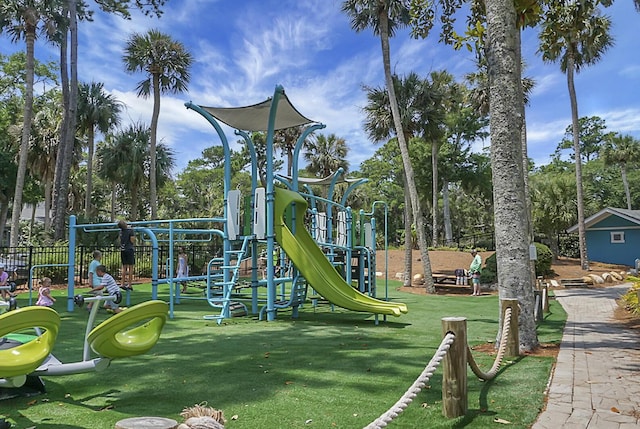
x=343 y=271
x=26 y=357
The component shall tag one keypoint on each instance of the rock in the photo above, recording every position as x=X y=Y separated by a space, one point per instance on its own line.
x=616 y=276
x=607 y=277
x=588 y=280
x=597 y=279
x=554 y=283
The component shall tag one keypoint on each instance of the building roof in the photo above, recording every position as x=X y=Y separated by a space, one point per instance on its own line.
x=629 y=215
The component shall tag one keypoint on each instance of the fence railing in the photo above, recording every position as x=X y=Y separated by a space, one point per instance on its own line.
x=49 y=261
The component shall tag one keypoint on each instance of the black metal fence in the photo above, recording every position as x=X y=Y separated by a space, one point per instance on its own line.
x=53 y=261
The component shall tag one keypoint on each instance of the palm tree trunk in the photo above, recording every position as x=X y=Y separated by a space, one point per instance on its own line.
x=113 y=202
x=30 y=36
x=66 y=147
x=511 y=227
x=4 y=211
x=582 y=241
x=88 y=212
x=446 y=214
x=434 y=196
x=625 y=183
x=48 y=194
x=153 y=191
x=404 y=151
x=408 y=242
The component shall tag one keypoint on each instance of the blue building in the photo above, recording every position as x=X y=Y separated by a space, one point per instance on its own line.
x=613 y=236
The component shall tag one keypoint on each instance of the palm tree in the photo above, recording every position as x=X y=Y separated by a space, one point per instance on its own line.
x=622 y=151
x=44 y=146
x=123 y=160
x=20 y=20
x=575 y=35
x=325 y=154
x=379 y=127
x=100 y=111
x=286 y=140
x=166 y=63
x=384 y=17
x=510 y=202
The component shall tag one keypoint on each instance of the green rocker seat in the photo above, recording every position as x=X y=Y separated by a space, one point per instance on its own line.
x=132 y=332
x=27 y=357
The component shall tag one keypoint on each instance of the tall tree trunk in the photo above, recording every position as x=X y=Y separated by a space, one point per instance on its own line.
x=525 y=157
x=511 y=228
x=4 y=212
x=153 y=187
x=113 y=202
x=48 y=194
x=434 y=193
x=625 y=183
x=446 y=214
x=69 y=79
x=88 y=209
x=30 y=36
x=582 y=241
x=404 y=151
x=408 y=242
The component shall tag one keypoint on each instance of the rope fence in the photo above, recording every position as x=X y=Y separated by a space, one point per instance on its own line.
x=454 y=353
x=416 y=387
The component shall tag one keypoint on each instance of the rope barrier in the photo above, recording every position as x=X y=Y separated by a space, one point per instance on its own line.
x=501 y=351
x=415 y=388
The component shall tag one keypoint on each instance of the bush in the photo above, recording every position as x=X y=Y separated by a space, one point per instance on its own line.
x=489 y=273
x=543 y=263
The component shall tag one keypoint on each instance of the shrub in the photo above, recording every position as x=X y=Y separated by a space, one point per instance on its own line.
x=489 y=273
x=543 y=263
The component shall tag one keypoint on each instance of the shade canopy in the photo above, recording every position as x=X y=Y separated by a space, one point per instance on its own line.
x=325 y=180
x=256 y=117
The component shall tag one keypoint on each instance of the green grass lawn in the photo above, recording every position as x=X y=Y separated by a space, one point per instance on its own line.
x=325 y=369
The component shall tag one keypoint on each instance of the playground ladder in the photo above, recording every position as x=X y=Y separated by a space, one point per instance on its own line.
x=224 y=301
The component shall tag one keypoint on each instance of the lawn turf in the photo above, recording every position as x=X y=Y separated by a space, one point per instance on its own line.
x=324 y=369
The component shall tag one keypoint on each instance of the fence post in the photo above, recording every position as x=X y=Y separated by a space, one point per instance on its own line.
x=513 y=342
x=545 y=297
x=537 y=302
x=454 y=364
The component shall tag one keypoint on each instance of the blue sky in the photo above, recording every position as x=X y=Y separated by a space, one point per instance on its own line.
x=243 y=49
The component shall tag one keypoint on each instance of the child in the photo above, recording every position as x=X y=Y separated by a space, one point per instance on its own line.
x=4 y=276
x=94 y=278
x=108 y=283
x=183 y=268
x=44 y=293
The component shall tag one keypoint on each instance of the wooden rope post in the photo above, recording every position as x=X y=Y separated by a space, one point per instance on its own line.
x=454 y=378
x=513 y=342
x=537 y=301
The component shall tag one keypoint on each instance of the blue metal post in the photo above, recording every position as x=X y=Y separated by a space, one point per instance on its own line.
x=72 y=262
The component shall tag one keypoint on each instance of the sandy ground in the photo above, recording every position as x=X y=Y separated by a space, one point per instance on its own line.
x=447 y=261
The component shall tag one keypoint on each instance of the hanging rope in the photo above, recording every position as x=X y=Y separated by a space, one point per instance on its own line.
x=506 y=329
x=416 y=387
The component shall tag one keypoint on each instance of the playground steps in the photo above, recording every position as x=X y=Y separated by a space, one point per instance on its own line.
x=574 y=283
x=223 y=301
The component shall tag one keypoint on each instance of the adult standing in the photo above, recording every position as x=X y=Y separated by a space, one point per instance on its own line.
x=127 y=254
x=474 y=271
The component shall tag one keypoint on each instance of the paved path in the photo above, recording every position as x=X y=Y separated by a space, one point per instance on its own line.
x=596 y=382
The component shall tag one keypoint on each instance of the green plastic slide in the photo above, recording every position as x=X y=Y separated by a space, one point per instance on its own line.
x=315 y=267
